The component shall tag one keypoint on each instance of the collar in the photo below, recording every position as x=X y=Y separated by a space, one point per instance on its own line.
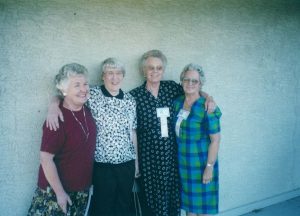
x=107 y=94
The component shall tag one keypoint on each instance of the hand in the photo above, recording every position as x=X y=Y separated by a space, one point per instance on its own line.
x=52 y=117
x=63 y=200
x=210 y=104
x=207 y=175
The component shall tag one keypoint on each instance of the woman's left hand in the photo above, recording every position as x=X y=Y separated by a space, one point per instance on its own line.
x=208 y=175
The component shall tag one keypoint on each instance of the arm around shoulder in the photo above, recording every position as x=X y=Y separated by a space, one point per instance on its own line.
x=54 y=113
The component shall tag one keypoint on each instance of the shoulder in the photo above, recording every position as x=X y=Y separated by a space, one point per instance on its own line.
x=49 y=134
x=128 y=96
x=179 y=99
x=134 y=92
x=95 y=94
x=88 y=110
x=95 y=89
x=215 y=114
x=200 y=101
x=178 y=102
x=169 y=83
x=172 y=86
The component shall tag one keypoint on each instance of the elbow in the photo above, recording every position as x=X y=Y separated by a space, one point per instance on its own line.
x=45 y=158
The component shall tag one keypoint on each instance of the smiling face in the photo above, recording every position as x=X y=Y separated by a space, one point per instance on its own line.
x=76 y=91
x=153 y=70
x=112 y=78
x=191 y=83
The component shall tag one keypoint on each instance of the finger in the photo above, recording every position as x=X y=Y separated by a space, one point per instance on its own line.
x=69 y=201
x=55 y=124
x=206 y=105
x=61 y=116
x=50 y=126
x=63 y=208
x=210 y=109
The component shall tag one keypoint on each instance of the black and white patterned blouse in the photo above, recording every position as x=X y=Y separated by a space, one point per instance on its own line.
x=115 y=119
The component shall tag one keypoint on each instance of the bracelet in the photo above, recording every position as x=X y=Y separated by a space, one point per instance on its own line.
x=209 y=165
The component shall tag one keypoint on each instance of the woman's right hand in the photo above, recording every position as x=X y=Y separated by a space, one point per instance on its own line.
x=53 y=114
x=63 y=200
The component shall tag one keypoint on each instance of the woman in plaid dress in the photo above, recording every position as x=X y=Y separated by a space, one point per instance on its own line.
x=198 y=138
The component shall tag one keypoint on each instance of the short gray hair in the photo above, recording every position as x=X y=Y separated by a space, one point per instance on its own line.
x=194 y=67
x=154 y=54
x=62 y=78
x=112 y=63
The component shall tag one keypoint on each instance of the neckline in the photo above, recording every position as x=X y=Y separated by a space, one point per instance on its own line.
x=191 y=106
x=69 y=109
x=149 y=92
x=107 y=94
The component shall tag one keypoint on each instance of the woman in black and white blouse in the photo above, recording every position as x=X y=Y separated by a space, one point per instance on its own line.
x=115 y=156
x=114 y=168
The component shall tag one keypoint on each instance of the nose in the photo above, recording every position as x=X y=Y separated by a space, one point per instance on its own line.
x=84 y=88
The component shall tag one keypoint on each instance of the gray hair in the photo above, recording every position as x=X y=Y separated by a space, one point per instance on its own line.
x=193 y=67
x=112 y=63
x=154 y=54
x=62 y=78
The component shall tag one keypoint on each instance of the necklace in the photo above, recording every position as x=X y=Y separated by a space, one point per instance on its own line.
x=86 y=132
x=186 y=106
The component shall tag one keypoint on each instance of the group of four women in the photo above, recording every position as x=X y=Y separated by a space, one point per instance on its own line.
x=164 y=133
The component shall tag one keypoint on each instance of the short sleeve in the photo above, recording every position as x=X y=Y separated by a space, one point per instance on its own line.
x=132 y=111
x=52 y=141
x=134 y=125
x=214 y=121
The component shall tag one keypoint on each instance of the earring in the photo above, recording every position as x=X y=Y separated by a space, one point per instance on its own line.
x=64 y=94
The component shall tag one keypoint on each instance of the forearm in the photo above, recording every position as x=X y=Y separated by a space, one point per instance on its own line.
x=135 y=144
x=213 y=148
x=54 y=101
x=213 y=153
x=51 y=173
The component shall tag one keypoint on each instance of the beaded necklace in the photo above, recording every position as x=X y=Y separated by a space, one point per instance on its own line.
x=86 y=132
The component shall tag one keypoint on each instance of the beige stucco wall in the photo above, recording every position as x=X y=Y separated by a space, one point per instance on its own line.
x=249 y=49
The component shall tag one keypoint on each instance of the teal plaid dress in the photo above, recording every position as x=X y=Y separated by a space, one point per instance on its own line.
x=193 y=143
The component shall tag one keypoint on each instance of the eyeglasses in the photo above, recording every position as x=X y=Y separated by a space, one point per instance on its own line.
x=190 y=81
x=153 y=68
x=116 y=73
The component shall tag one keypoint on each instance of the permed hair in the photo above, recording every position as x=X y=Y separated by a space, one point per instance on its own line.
x=62 y=78
x=154 y=54
x=112 y=63
x=194 y=67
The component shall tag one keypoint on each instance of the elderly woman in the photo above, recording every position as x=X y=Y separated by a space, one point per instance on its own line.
x=157 y=142
x=114 y=167
x=198 y=138
x=67 y=154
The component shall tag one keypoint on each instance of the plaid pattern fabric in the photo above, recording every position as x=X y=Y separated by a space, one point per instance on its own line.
x=44 y=203
x=193 y=143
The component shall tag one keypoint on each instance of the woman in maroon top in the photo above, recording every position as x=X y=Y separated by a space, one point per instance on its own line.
x=67 y=154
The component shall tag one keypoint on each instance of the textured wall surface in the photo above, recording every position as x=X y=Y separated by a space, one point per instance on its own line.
x=249 y=49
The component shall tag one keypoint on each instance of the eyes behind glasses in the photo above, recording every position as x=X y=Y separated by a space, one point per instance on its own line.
x=152 y=68
x=111 y=73
x=188 y=81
